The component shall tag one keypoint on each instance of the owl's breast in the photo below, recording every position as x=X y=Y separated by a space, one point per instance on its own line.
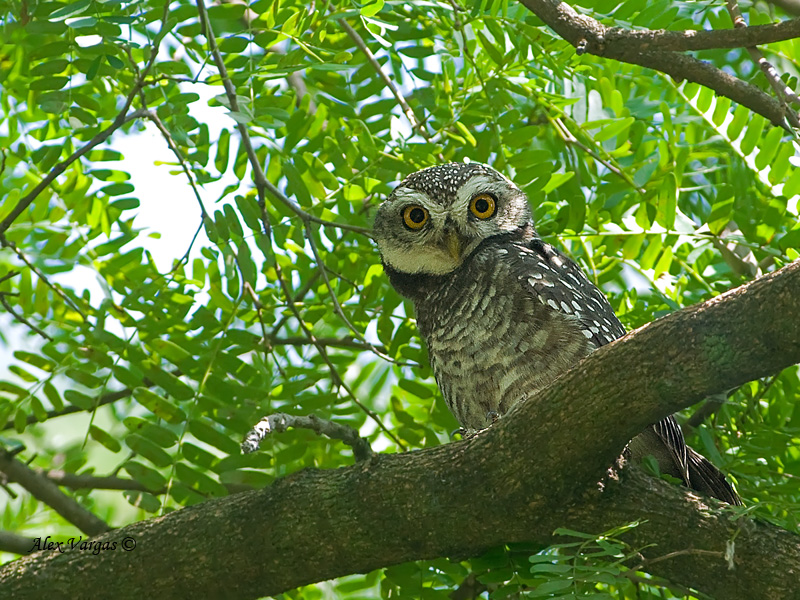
x=492 y=343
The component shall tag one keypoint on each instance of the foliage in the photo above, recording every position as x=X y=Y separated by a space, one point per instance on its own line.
x=666 y=194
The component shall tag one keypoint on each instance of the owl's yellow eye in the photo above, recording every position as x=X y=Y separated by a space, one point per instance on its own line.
x=483 y=206
x=415 y=216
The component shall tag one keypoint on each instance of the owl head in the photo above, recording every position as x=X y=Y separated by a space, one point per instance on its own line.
x=438 y=216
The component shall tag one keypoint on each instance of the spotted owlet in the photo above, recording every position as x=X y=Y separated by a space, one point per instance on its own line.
x=503 y=312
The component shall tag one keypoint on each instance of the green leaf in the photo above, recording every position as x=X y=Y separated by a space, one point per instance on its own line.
x=209 y=435
x=70 y=10
x=491 y=49
x=614 y=129
x=159 y=406
x=146 y=448
x=109 y=441
x=371 y=9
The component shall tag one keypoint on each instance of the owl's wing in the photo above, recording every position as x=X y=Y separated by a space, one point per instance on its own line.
x=559 y=283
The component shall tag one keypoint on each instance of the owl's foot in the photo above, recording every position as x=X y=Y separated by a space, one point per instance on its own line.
x=492 y=416
x=465 y=433
x=460 y=431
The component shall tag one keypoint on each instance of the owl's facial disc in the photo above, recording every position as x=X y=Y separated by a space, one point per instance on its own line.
x=428 y=227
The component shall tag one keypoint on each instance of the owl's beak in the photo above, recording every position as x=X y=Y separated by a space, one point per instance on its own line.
x=454 y=245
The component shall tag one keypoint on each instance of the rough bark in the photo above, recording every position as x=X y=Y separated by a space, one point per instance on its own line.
x=535 y=470
x=657 y=50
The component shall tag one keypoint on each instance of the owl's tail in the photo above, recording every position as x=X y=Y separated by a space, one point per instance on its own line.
x=705 y=477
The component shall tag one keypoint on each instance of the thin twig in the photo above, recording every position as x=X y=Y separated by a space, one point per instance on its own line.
x=280 y=422
x=689 y=551
x=95 y=482
x=181 y=160
x=409 y=113
x=569 y=138
x=8 y=275
x=338 y=307
x=90 y=482
x=713 y=39
x=22 y=319
x=58 y=291
x=262 y=186
x=259 y=312
x=16 y=544
x=779 y=87
x=328 y=342
x=337 y=379
x=57 y=170
x=262 y=183
x=459 y=26
x=304 y=289
x=68 y=410
x=636 y=47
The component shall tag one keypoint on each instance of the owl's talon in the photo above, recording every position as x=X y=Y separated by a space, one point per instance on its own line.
x=493 y=416
x=460 y=431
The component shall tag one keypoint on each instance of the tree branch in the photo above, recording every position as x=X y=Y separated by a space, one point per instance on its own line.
x=645 y=48
x=280 y=422
x=47 y=492
x=121 y=118
x=684 y=41
x=16 y=544
x=263 y=185
x=68 y=410
x=533 y=471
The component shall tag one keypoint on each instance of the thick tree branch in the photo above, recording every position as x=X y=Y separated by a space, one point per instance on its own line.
x=644 y=48
x=535 y=470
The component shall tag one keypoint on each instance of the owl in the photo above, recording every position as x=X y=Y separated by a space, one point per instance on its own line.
x=502 y=312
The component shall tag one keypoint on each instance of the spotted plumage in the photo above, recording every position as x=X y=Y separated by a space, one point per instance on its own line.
x=503 y=313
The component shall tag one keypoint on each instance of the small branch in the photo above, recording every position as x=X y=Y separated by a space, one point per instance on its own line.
x=280 y=422
x=336 y=378
x=68 y=410
x=690 y=40
x=687 y=552
x=711 y=405
x=263 y=185
x=570 y=139
x=15 y=544
x=328 y=342
x=9 y=275
x=781 y=90
x=336 y=306
x=122 y=118
x=90 y=482
x=22 y=319
x=101 y=137
x=412 y=118
x=47 y=492
x=152 y=116
x=304 y=289
x=416 y=125
x=58 y=291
